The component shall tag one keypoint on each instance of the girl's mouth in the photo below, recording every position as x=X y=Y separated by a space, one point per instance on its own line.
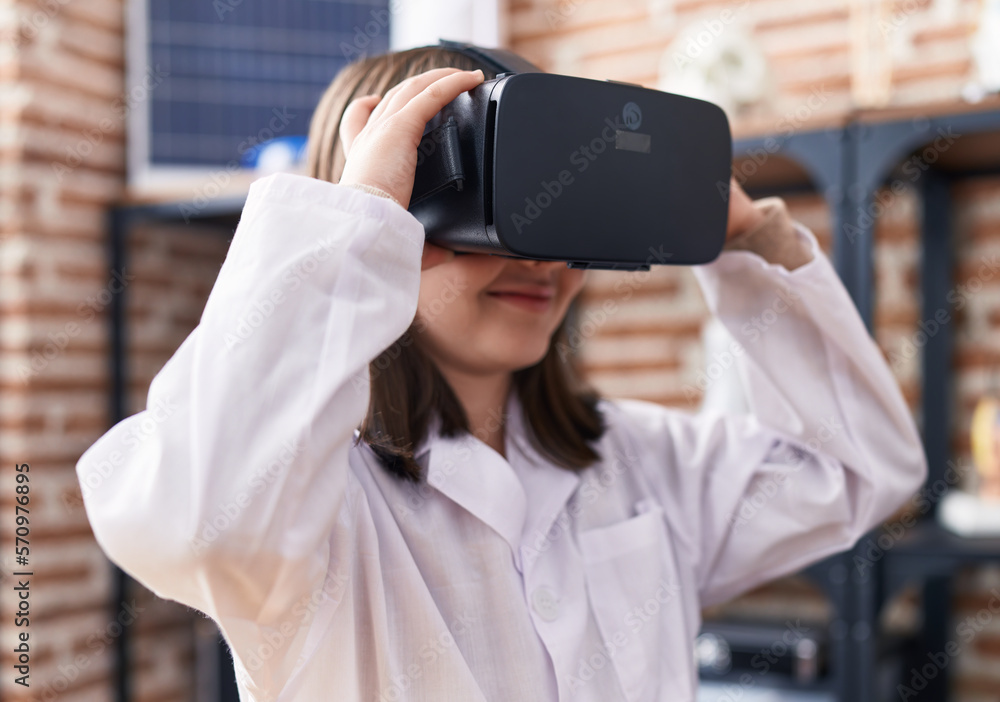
x=532 y=303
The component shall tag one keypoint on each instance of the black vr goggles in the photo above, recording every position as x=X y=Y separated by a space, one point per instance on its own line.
x=599 y=174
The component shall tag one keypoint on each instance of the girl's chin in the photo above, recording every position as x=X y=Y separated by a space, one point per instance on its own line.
x=507 y=358
x=521 y=360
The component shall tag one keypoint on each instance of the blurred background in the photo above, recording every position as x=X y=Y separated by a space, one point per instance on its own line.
x=130 y=131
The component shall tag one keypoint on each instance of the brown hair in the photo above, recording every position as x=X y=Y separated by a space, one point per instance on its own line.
x=407 y=388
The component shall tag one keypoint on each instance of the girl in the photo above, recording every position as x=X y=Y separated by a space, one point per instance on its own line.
x=372 y=466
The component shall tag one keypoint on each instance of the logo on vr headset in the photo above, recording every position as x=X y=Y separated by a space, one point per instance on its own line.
x=631 y=115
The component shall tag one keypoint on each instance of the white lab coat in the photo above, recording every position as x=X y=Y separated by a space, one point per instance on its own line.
x=239 y=491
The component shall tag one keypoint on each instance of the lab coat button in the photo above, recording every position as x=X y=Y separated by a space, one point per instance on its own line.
x=544 y=602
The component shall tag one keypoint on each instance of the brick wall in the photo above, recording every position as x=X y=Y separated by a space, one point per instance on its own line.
x=61 y=72
x=62 y=103
x=650 y=346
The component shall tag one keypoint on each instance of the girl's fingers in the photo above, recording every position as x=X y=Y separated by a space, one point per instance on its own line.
x=380 y=140
x=429 y=101
x=743 y=215
x=356 y=116
x=402 y=92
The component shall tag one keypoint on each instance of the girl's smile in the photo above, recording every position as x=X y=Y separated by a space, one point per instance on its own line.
x=534 y=297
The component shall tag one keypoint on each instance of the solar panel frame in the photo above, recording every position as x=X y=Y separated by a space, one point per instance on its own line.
x=208 y=81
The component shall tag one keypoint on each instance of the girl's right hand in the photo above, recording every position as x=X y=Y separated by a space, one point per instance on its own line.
x=381 y=135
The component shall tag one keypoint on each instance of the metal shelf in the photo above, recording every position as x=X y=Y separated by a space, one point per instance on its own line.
x=120 y=221
x=926 y=148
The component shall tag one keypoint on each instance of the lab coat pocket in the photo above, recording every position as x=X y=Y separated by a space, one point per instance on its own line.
x=629 y=584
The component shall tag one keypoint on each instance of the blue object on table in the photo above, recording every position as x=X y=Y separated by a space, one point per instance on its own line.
x=275 y=154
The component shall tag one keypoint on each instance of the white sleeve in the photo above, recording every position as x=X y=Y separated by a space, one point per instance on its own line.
x=828 y=451
x=224 y=493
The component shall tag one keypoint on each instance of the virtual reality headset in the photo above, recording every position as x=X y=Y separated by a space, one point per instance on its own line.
x=600 y=174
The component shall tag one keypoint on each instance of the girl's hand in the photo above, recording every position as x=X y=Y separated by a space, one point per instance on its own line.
x=381 y=136
x=743 y=216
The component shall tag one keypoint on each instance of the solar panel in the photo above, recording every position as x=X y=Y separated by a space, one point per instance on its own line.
x=234 y=73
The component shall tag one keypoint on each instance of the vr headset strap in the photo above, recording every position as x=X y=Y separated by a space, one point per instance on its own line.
x=439 y=161
x=500 y=60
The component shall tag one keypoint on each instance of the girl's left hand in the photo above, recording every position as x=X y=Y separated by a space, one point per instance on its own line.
x=743 y=216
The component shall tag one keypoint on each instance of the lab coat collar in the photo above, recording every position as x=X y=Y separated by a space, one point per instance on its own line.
x=472 y=474
x=552 y=485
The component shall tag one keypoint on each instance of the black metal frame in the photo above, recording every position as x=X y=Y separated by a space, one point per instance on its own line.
x=120 y=221
x=850 y=170
x=824 y=155
x=927 y=554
